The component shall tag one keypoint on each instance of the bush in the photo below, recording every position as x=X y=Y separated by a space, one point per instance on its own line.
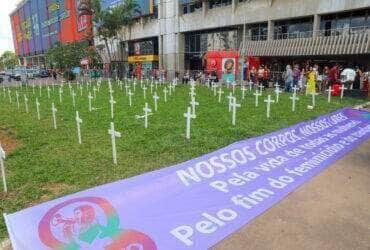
x=68 y=75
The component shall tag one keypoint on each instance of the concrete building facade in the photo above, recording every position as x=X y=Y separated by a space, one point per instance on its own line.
x=263 y=28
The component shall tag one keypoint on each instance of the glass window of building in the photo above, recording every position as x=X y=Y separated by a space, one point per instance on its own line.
x=219 y=3
x=345 y=23
x=298 y=28
x=143 y=47
x=257 y=32
x=197 y=44
x=191 y=6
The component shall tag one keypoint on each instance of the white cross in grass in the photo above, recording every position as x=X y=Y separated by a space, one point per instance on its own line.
x=188 y=116
x=268 y=101
x=2 y=166
x=113 y=133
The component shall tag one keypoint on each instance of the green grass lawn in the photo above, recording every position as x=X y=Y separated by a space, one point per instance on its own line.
x=50 y=163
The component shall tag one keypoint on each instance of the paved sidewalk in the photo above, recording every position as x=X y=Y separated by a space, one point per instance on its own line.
x=331 y=211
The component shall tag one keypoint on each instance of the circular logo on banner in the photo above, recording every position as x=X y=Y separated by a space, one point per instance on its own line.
x=89 y=223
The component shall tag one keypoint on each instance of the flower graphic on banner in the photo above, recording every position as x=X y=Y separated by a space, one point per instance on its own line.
x=89 y=223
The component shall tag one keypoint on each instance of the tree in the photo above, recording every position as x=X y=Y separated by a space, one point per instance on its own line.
x=8 y=60
x=67 y=56
x=108 y=22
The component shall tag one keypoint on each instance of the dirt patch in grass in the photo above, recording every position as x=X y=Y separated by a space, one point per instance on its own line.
x=53 y=190
x=7 y=141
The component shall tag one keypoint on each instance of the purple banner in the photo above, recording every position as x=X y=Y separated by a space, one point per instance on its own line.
x=195 y=204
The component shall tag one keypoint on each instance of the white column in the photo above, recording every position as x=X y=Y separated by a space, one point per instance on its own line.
x=316 y=25
x=270 y=30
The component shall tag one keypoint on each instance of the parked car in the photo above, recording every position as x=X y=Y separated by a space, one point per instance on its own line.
x=44 y=73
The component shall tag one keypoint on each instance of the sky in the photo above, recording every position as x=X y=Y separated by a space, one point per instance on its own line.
x=6 y=39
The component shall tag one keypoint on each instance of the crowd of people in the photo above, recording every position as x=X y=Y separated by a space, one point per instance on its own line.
x=314 y=79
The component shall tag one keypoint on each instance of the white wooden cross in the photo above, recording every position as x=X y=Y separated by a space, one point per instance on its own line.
x=234 y=105
x=342 y=88
x=268 y=101
x=54 y=110
x=233 y=84
x=113 y=134
x=314 y=94
x=94 y=92
x=17 y=99
x=294 y=98
x=277 y=94
x=214 y=88
x=151 y=87
x=329 y=93
x=126 y=89
x=10 y=95
x=147 y=112
x=144 y=91
x=193 y=104
x=74 y=98
x=135 y=83
x=250 y=83
x=26 y=103
x=112 y=102
x=78 y=122
x=48 y=89
x=261 y=87
x=243 y=89
x=295 y=89
x=130 y=94
x=192 y=92
x=2 y=166
x=165 y=91
x=174 y=81
x=111 y=91
x=220 y=92
x=120 y=84
x=90 y=101
x=174 y=84
x=81 y=90
x=189 y=116
x=170 y=87
x=257 y=95
x=155 y=97
x=38 y=108
x=276 y=85
x=230 y=97
x=60 y=94
x=70 y=88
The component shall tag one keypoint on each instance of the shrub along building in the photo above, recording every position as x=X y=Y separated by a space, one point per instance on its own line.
x=38 y=24
x=180 y=35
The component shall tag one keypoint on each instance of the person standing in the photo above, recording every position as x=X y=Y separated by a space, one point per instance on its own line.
x=357 y=80
x=325 y=76
x=288 y=78
x=311 y=81
x=296 y=75
x=333 y=75
x=260 y=74
x=303 y=79
x=54 y=73
x=253 y=74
